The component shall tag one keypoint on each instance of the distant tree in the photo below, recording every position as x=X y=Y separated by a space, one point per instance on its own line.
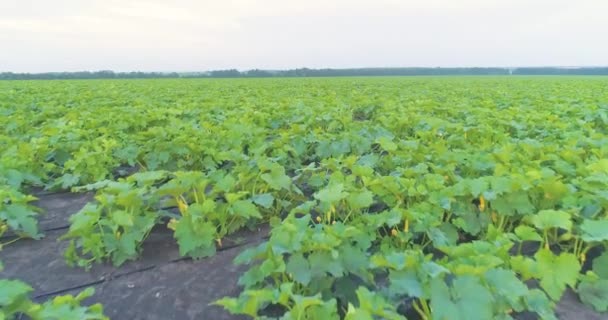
x=306 y=72
x=257 y=73
x=231 y=73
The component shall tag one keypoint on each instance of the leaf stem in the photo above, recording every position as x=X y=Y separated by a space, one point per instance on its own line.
x=195 y=195
x=425 y=307
x=419 y=310
x=9 y=242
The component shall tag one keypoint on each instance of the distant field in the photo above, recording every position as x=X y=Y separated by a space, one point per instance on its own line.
x=426 y=197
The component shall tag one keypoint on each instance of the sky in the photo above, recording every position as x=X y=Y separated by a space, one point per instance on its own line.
x=199 y=35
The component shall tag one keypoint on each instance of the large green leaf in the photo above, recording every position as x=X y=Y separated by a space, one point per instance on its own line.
x=466 y=299
x=557 y=271
x=277 y=179
x=195 y=238
x=332 y=193
x=595 y=294
x=265 y=200
x=549 y=219
x=594 y=230
x=245 y=209
x=600 y=265
x=361 y=199
x=299 y=268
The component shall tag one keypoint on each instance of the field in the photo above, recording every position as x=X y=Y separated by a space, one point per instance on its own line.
x=447 y=198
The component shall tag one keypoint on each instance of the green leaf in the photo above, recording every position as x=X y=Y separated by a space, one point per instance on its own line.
x=257 y=273
x=14 y=178
x=248 y=303
x=375 y=305
x=526 y=267
x=277 y=179
x=226 y=183
x=445 y=235
x=507 y=285
x=265 y=200
x=555 y=189
x=595 y=294
x=12 y=290
x=232 y=305
x=195 y=240
x=344 y=288
x=322 y=262
x=510 y=204
x=548 y=219
x=405 y=282
x=88 y=216
x=600 y=265
x=433 y=269
x=469 y=222
x=466 y=299
x=357 y=314
x=299 y=269
x=520 y=201
x=557 y=271
x=387 y=144
x=361 y=199
x=478 y=186
x=594 y=230
x=526 y=233
x=245 y=209
x=501 y=185
x=355 y=259
x=331 y=194
x=392 y=260
x=20 y=218
x=148 y=177
x=599 y=167
x=590 y=210
x=122 y=218
x=537 y=301
x=312 y=308
x=68 y=180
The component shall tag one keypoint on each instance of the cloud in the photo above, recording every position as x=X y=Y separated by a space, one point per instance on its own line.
x=198 y=35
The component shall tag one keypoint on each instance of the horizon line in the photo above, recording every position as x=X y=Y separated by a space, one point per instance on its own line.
x=320 y=68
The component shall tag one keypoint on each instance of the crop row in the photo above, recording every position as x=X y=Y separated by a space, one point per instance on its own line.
x=455 y=198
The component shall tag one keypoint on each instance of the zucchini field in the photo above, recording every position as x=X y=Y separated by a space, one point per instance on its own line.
x=435 y=198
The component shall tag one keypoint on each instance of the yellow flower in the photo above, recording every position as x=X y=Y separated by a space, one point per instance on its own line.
x=182 y=206
x=172 y=224
x=394 y=232
x=482 y=203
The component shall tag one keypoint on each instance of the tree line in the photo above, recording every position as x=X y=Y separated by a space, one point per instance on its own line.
x=306 y=72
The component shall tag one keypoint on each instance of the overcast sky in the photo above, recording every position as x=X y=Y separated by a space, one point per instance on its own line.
x=196 y=35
